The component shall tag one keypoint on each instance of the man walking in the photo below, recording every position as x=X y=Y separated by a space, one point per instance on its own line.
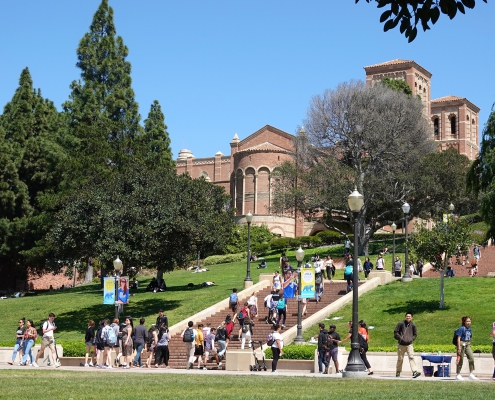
x=189 y=336
x=333 y=347
x=48 y=341
x=322 y=349
x=405 y=333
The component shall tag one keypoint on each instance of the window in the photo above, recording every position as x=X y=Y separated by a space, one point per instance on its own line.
x=453 y=125
x=436 y=126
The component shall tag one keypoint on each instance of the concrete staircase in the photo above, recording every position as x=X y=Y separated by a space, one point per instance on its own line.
x=333 y=291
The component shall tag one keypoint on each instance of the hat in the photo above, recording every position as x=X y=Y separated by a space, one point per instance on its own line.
x=332 y=326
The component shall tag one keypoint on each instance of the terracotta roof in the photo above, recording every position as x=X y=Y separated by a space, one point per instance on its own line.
x=397 y=61
x=264 y=146
x=266 y=128
x=450 y=97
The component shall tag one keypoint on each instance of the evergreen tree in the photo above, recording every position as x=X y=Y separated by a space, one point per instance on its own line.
x=155 y=142
x=32 y=156
x=102 y=112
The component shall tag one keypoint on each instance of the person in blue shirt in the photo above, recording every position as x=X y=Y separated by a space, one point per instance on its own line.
x=123 y=291
x=464 y=335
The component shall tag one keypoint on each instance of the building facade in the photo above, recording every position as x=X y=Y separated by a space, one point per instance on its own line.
x=247 y=173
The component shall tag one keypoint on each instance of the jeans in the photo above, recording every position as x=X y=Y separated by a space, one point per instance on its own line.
x=17 y=346
x=221 y=347
x=139 y=349
x=322 y=360
x=26 y=348
x=280 y=314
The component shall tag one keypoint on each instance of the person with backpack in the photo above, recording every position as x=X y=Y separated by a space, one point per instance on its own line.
x=210 y=347
x=323 y=348
x=140 y=338
x=318 y=286
x=229 y=328
x=273 y=307
x=162 y=352
x=221 y=339
x=464 y=335
x=109 y=342
x=243 y=314
x=233 y=300
x=89 y=339
x=282 y=309
x=47 y=329
x=118 y=346
x=189 y=336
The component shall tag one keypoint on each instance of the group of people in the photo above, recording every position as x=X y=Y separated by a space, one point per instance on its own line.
x=26 y=335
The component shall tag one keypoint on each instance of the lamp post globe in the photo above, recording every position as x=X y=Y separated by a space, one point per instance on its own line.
x=299 y=257
x=355 y=367
x=248 y=281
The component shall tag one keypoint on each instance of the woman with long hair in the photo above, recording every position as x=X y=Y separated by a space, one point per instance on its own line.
x=89 y=338
x=127 y=344
x=162 y=353
x=363 y=345
x=18 y=340
x=151 y=344
x=28 y=340
x=123 y=292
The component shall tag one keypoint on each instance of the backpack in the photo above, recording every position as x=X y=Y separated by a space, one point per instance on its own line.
x=233 y=298
x=220 y=335
x=110 y=335
x=281 y=304
x=454 y=338
x=188 y=335
x=245 y=328
x=363 y=344
x=269 y=339
x=41 y=329
x=327 y=343
x=98 y=338
x=318 y=279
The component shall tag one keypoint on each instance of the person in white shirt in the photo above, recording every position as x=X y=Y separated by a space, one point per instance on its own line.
x=48 y=341
x=380 y=263
x=189 y=336
x=277 y=346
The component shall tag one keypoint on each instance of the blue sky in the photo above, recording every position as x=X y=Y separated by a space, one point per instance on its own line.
x=223 y=67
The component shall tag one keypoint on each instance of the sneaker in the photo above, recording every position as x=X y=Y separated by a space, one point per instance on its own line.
x=57 y=364
x=459 y=377
x=204 y=368
x=472 y=377
x=416 y=374
x=35 y=365
x=397 y=374
x=220 y=364
x=91 y=364
x=22 y=364
x=283 y=326
x=274 y=372
x=86 y=365
x=320 y=372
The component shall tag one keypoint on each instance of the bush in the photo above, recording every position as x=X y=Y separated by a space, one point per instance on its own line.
x=260 y=249
x=295 y=352
x=330 y=237
x=294 y=243
x=74 y=349
x=279 y=244
x=305 y=241
x=226 y=258
x=315 y=241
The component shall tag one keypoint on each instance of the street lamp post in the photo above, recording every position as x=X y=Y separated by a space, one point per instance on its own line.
x=451 y=209
x=117 y=265
x=248 y=281
x=355 y=366
x=407 y=277
x=299 y=257
x=394 y=227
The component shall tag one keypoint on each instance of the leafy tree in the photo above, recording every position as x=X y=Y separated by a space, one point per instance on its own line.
x=151 y=218
x=32 y=159
x=358 y=136
x=155 y=142
x=102 y=112
x=408 y=13
x=445 y=239
x=481 y=176
x=398 y=84
x=238 y=242
x=441 y=180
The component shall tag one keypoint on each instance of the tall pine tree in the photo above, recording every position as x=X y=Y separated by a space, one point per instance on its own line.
x=102 y=112
x=154 y=142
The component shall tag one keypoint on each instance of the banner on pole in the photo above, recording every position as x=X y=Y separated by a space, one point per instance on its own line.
x=308 y=283
x=109 y=290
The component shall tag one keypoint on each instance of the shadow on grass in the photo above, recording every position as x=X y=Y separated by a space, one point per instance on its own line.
x=416 y=307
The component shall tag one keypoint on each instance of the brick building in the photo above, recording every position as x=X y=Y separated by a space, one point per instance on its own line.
x=247 y=172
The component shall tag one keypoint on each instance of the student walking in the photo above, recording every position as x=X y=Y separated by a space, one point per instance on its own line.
x=18 y=340
x=406 y=333
x=464 y=335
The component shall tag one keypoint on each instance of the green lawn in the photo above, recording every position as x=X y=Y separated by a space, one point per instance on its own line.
x=90 y=385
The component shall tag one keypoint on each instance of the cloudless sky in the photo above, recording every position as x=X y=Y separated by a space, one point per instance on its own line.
x=222 y=67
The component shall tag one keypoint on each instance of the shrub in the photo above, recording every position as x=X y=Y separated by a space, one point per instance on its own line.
x=294 y=243
x=305 y=241
x=329 y=237
x=315 y=241
x=280 y=243
x=260 y=249
x=296 y=352
x=74 y=349
x=226 y=258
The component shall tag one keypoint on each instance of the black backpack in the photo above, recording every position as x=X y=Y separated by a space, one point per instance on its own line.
x=188 y=335
x=40 y=332
x=98 y=338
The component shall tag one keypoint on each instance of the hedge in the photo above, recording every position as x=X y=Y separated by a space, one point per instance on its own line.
x=226 y=258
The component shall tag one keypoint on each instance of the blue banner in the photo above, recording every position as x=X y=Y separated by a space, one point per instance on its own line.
x=307 y=283
x=109 y=290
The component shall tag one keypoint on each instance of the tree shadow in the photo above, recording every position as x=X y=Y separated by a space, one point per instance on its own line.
x=416 y=307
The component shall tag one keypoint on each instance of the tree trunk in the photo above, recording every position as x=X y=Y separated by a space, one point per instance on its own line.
x=88 y=277
x=442 y=274
x=159 y=276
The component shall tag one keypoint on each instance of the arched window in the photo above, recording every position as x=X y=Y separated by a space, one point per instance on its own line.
x=436 y=126
x=453 y=125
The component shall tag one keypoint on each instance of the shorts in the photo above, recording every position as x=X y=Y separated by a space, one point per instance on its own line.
x=212 y=352
x=111 y=345
x=100 y=346
x=90 y=344
x=198 y=351
x=333 y=354
x=47 y=341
